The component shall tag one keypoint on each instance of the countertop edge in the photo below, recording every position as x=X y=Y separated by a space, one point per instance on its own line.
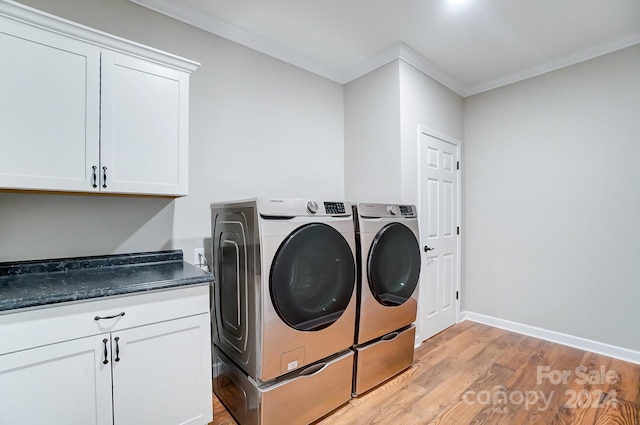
x=58 y=287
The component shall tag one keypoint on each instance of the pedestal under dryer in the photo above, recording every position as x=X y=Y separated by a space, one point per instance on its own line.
x=389 y=261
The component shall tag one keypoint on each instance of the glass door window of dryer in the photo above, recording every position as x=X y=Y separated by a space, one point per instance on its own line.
x=312 y=277
x=393 y=265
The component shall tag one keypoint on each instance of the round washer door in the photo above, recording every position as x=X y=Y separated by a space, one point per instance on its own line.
x=393 y=264
x=312 y=277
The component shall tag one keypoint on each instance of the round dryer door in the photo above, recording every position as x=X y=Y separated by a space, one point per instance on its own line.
x=393 y=265
x=312 y=277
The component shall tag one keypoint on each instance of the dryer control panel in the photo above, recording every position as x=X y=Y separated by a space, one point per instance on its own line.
x=386 y=210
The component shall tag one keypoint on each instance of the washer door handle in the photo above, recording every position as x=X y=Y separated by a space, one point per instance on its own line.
x=427 y=249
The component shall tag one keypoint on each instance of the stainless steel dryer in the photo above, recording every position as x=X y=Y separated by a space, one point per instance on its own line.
x=283 y=300
x=389 y=270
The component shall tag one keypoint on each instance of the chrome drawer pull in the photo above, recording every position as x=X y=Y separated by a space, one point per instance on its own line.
x=109 y=317
x=390 y=337
x=313 y=370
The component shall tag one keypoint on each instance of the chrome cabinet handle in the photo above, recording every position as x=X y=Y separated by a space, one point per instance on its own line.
x=109 y=317
x=95 y=177
x=117 y=359
x=104 y=177
x=313 y=370
x=390 y=337
x=106 y=352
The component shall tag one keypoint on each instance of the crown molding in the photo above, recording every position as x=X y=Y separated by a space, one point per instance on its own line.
x=399 y=51
x=584 y=55
x=418 y=61
x=238 y=35
x=371 y=64
x=27 y=15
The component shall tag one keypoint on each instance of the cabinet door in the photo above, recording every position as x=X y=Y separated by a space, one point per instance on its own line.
x=163 y=375
x=65 y=383
x=49 y=110
x=144 y=133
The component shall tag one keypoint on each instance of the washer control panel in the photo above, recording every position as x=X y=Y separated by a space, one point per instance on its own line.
x=334 y=208
x=407 y=210
x=296 y=207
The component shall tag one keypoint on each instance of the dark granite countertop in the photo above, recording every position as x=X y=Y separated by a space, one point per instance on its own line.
x=42 y=283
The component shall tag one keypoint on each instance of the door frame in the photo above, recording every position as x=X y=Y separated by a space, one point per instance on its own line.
x=422 y=130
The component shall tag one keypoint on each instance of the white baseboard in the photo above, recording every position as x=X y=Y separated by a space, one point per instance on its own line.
x=553 y=336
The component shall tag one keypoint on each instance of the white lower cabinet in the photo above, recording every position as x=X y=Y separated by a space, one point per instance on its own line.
x=63 y=383
x=157 y=373
x=161 y=374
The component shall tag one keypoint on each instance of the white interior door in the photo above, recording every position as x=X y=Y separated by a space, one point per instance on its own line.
x=439 y=220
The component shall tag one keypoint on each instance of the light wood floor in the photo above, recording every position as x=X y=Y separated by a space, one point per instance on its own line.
x=476 y=374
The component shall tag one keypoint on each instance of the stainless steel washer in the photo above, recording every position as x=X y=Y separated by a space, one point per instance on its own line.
x=284 y=293
x=389 y=261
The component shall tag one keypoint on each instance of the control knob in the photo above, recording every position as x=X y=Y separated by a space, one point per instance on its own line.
x=391 y=209
x=312 y=207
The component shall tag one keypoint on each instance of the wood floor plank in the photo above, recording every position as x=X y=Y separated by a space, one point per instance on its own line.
x=453 y=331
x=582 y=394
x=626 y=386
x=540 y=394
x=450 y=390
x=500 y=408
x=468 y=406
x=480 y=361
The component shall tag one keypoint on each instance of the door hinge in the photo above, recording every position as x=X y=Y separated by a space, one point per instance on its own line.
x=457 y=165
x=457 y=295
x=458 y=230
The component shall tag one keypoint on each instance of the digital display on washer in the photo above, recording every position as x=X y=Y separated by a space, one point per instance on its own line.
x=334 y=207
x=406 y=210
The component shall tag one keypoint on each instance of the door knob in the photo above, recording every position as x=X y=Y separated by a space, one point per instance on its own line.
x=427 y=249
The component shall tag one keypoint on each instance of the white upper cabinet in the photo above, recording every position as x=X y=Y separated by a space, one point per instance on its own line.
x=144 y=121
x=83 y=111
x=49 y=109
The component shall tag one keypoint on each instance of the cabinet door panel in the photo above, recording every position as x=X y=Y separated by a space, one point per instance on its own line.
x=163 y=376
x=64 y=383
x=144 y=126
x=49 y=110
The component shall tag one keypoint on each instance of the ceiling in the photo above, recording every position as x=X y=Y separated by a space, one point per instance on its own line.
x=470 y=47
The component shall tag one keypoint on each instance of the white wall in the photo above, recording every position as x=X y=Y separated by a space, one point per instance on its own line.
x=258 y=127
x=383 y=110
x=424 y=103
x=553 y=200
x=372 y=136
